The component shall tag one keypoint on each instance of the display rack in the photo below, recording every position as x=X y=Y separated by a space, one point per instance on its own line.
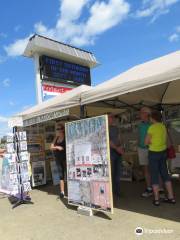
x=18 y=149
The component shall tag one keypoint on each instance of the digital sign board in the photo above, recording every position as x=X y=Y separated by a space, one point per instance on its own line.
x=56 y=70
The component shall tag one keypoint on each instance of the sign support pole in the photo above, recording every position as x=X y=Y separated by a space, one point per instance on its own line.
x=82 y=111
x=38 y=79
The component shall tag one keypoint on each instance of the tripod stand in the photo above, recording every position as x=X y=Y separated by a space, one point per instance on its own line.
x=20 y=200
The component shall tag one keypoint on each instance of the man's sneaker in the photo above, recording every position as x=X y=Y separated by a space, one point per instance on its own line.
x=61 y=195
x=148 y=192
x=156 y=203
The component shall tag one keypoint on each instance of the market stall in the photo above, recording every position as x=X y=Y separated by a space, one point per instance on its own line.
x=155 y=84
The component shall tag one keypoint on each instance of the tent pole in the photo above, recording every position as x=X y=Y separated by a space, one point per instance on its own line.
x=164 y=93
x=82 y=111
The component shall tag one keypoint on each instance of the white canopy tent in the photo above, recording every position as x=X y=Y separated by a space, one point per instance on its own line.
x=154 y=82
x=70 y=99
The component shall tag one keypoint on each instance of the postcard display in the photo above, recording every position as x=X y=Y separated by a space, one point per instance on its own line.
x=15 y=178
x=88 y=164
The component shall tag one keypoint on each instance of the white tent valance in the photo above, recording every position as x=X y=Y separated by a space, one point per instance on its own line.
x=65 y=101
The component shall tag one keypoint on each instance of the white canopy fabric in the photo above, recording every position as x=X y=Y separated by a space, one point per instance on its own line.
x=67 y=100
x=156 y=81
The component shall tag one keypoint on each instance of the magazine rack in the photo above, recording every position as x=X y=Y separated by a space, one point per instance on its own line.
x=21 y=199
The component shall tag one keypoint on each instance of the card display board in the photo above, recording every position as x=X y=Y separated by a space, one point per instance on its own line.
x=88 y=164
x=14 y=166
x=9 y=182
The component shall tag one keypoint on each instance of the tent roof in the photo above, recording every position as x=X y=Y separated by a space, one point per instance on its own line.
x=46 y=46
x=154 y=81
x=64 y=101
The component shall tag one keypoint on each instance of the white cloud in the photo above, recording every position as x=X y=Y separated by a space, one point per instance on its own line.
x=155 y=8
x=17 y=28
x=175 y=37
x=3 y=119
x=17 y=48
x=11 y=103
x=71 y=10
x=72 y=28
x=6 y=82
x=103 y=16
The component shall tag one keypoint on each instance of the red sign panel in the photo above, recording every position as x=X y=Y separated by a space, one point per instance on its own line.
x=54 y=90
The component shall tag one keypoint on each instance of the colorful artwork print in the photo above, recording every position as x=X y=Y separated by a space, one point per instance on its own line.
x=9 y=182
x=10 y=147
x=23 y=146
x=9 y=137
x=88 y=164
x=22 y=136
x=24 y=156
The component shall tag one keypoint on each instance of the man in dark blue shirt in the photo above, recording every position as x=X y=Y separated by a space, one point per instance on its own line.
x=116 y=152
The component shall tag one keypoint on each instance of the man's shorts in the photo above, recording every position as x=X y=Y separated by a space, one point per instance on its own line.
x=143 y=156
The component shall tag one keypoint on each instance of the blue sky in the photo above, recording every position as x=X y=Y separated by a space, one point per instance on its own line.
x=121 y=34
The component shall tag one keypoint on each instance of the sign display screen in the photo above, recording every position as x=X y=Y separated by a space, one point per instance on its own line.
x=56 y=70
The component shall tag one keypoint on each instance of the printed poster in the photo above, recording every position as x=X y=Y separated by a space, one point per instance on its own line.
x=38 y=173
x=88 y=164
x=9 y=182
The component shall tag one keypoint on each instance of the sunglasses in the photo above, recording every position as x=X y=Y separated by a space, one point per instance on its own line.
x=58 y=129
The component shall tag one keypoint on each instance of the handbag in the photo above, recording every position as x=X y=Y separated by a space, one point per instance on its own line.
x=171 y=152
